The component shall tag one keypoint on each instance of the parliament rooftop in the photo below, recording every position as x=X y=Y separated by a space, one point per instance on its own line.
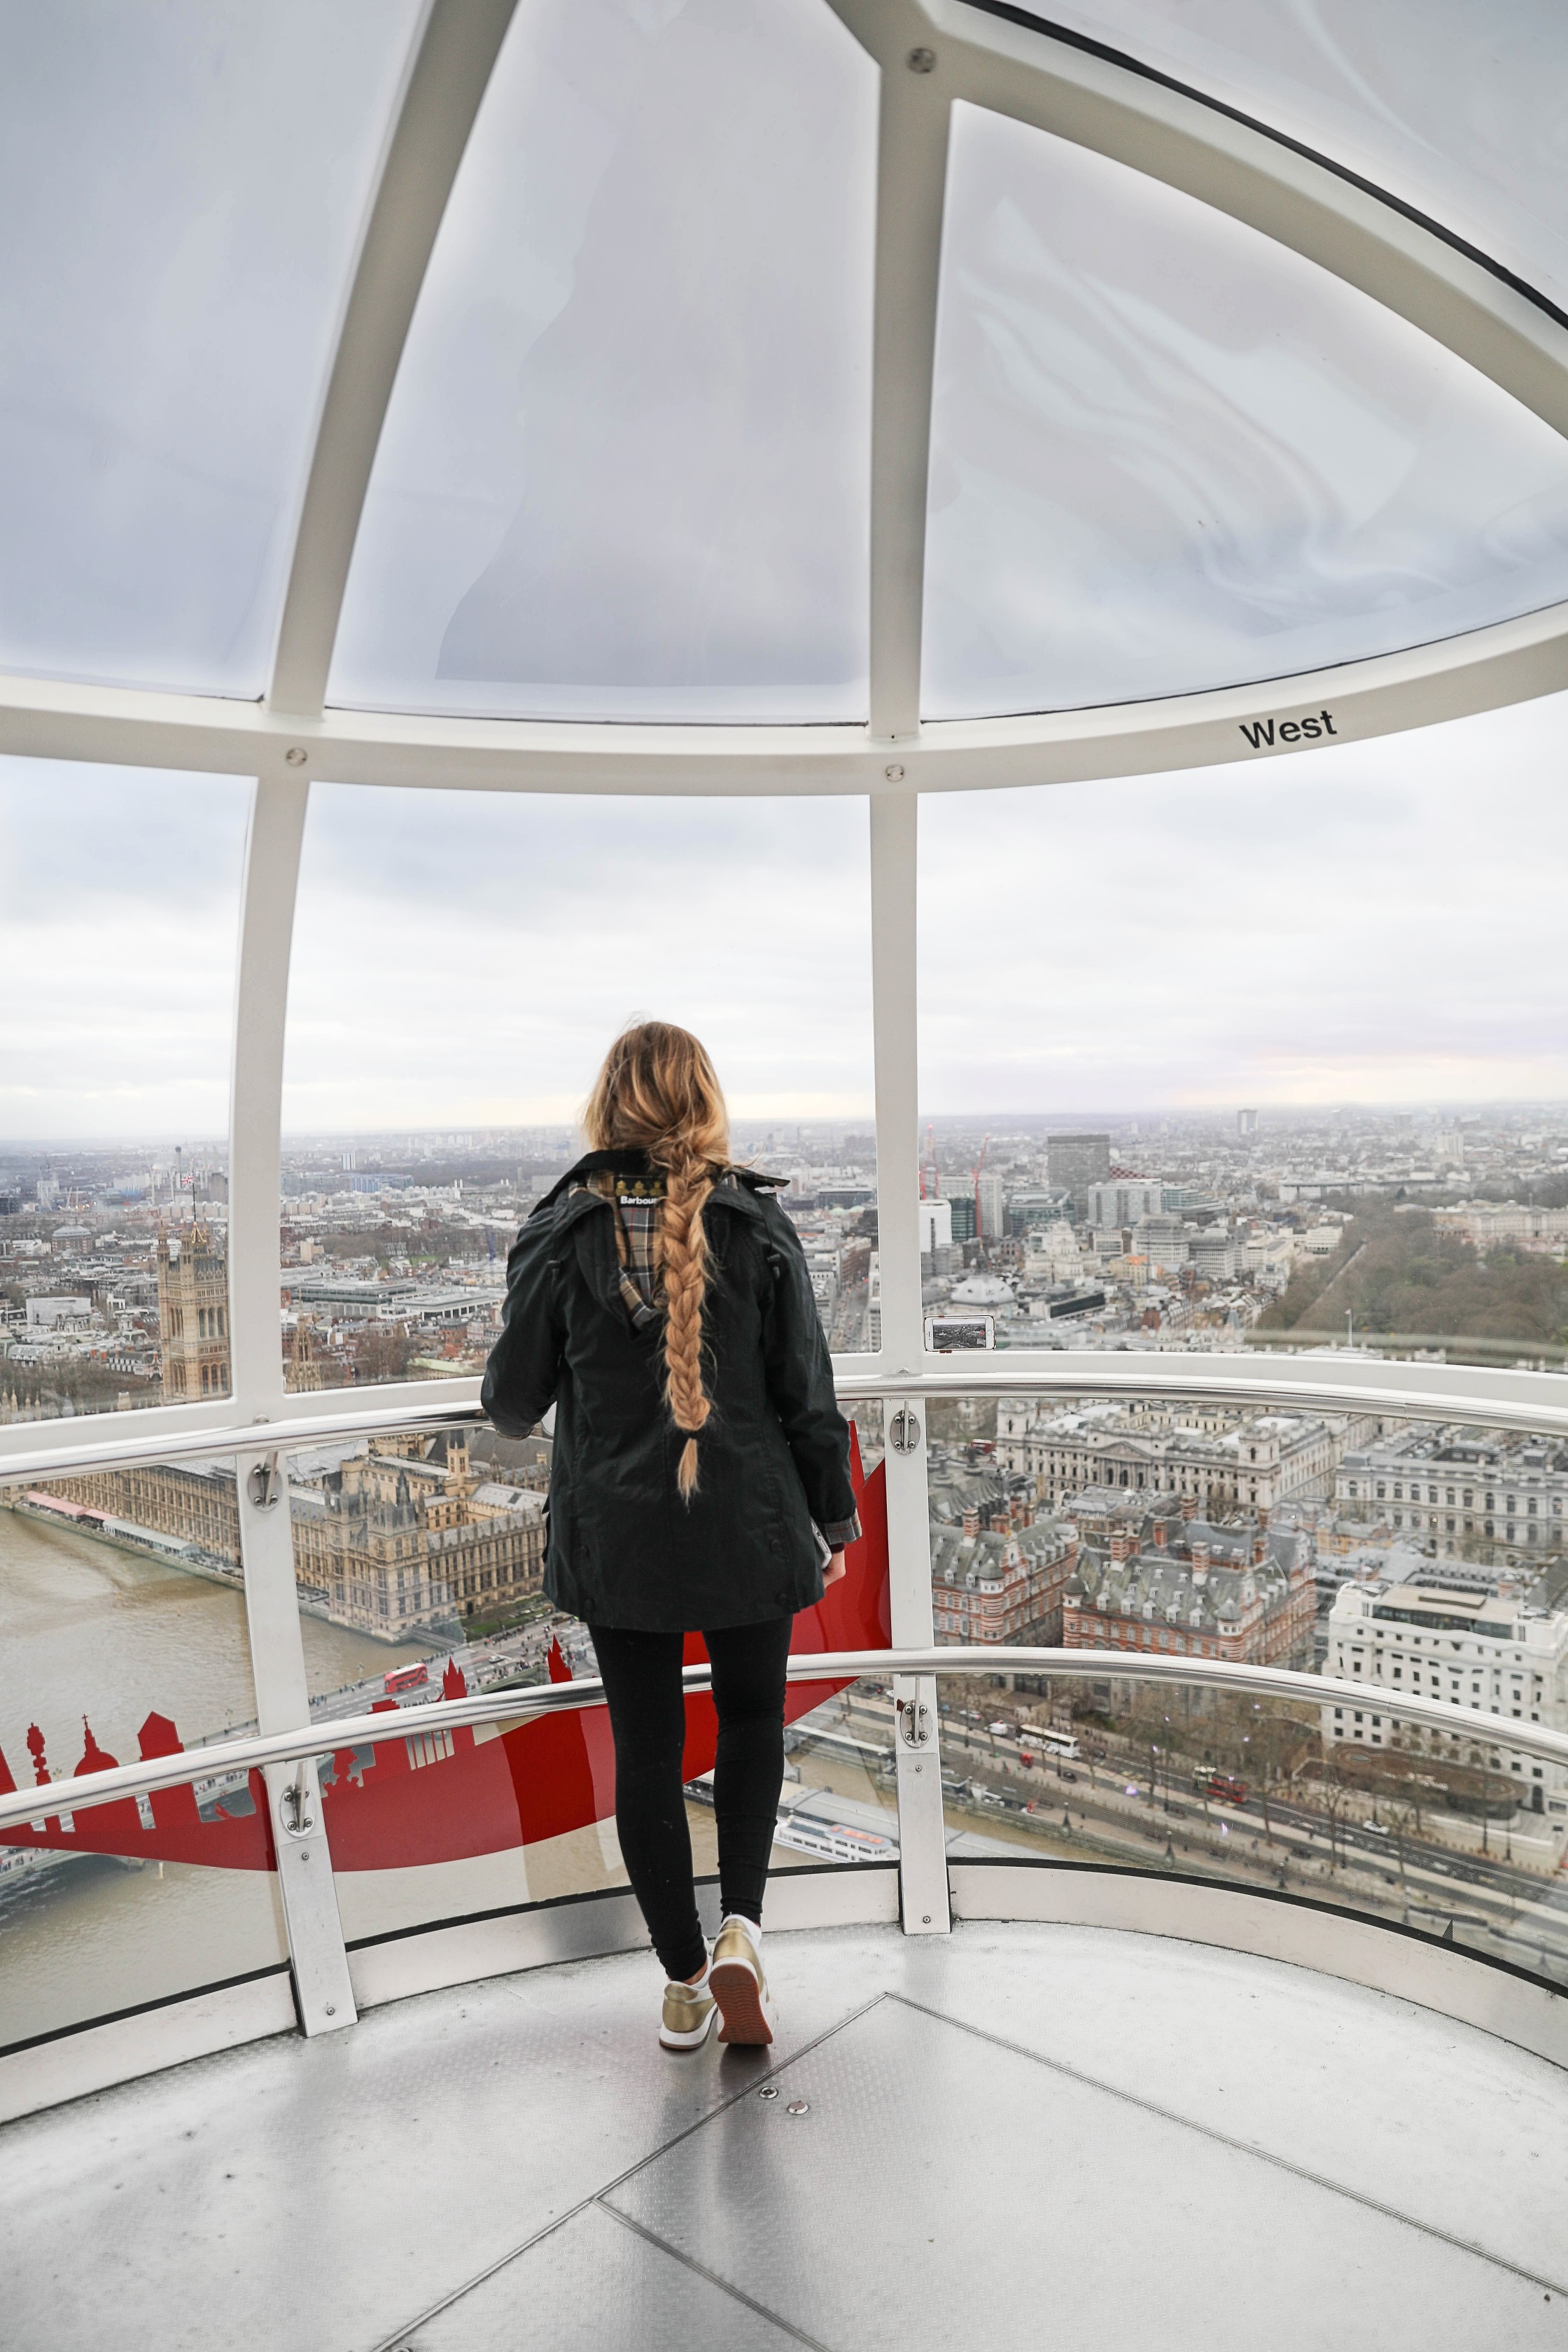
x=525 y=511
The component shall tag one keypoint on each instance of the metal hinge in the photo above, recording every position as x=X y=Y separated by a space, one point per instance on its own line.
x=294 y=1803
x=265 y=1484
x=904 y=1430
x=914 y=1722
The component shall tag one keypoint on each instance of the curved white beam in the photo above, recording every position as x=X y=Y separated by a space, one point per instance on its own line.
x=1509 y=662
x=256 y=1149
x=1240 y=170
x=441 y=96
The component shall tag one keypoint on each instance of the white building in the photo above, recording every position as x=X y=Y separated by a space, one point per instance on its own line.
x=1124 y=1200
x=1444 y=1484
x=936 y=1226
x=50 y=1314
x=1052 y=1251
x=1484 y=1650
x=990 y=1202
x=1219 y=1457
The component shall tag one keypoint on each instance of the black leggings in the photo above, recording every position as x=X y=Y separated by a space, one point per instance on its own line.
x=647 y=1715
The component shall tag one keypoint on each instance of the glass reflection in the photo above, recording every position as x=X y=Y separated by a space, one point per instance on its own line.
x=181 y=190
x=1450 y=104
x=626 y=469
x=1169 y=455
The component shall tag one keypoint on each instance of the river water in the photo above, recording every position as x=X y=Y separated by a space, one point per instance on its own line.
x=86 y=1629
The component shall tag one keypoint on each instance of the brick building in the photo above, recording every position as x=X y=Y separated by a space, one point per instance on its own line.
x=1196 y=1590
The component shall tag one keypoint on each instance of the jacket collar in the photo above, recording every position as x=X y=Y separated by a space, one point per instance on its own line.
x=742 y=1195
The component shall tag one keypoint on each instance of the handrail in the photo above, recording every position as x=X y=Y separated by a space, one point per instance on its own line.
x=515 y=1705
x=1330 y=1383
x=249 y=1437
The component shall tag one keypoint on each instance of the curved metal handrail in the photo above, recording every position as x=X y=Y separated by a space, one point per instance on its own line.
x=1530 y=1402
x=517 y=1705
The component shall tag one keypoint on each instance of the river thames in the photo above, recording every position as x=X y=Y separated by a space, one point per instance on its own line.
x=88 y=1628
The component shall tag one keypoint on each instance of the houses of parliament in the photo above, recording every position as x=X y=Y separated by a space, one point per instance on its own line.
x=401 y=1539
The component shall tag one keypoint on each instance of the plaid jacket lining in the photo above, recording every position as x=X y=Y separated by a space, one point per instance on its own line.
x=637 y=1201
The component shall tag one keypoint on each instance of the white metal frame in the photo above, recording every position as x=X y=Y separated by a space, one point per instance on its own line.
x=1497 y=1997
x=932 y=54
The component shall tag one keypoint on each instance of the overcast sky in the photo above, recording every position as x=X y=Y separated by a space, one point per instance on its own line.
x=1365 y=923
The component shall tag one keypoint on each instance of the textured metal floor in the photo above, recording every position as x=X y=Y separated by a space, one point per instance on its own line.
x=1019 y=2136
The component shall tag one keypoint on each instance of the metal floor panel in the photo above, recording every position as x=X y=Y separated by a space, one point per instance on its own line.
x=939 y=2179
x=1464 y=2133
x=444 y=2157
x=594 y=2285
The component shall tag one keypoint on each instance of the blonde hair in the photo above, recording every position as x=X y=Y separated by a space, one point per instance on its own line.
x=658 y=1093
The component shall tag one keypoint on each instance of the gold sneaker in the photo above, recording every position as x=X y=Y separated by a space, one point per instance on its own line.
x=739 y=1985
x=689 y=2014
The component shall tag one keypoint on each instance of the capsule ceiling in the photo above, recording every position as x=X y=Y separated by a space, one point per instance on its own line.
x=625 y=469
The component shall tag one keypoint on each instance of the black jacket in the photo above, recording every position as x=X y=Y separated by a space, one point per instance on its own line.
x=623 y=1548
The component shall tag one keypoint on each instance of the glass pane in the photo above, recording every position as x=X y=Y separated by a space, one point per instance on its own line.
x=419 y=1562
x=122 y=1634
x=1309 y=1088
x=1449 y=105
x=461 y=963
x=1169 y=455
x=1147 y=1527
x=181 y=189
x=626 y=470
x=119 y=923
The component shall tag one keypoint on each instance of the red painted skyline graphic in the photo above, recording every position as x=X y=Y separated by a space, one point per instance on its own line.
x=437 y=1795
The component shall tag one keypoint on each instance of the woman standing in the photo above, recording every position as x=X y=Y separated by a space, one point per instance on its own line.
x=659 y=1298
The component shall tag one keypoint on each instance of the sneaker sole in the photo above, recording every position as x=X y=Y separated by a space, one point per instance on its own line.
x=747 y=2013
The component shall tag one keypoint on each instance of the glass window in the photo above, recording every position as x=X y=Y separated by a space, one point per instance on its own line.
x=420 y=1563
x=1097 y=1767
x=1450 y=105
x=119 y=923
x=462 y=961
x=1168 y=454
x=626 y=469
x=181 y=190
x=122 y=1634
x=1268 y=1057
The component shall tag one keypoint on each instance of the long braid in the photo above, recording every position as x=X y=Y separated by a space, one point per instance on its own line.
x=684 y=1254
x=658 y=1093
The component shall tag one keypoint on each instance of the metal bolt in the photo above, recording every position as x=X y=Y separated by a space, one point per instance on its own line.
x=925 y=1918
x=295 y=755
x=922 y=61
x=331 y=2009
x=798 y=2108
x=894 y=774
x=769 y=2091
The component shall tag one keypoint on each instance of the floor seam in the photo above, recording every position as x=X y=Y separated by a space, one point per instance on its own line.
x=726 y=2286
x=1227 y=2139
x=399 y=2338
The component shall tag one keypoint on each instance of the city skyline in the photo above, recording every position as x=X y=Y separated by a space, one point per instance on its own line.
x=1347 y=933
